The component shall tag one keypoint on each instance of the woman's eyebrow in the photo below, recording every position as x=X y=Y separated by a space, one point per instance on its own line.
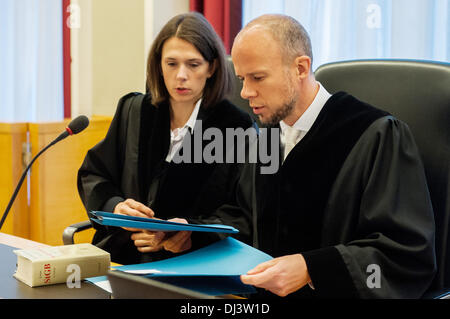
x=189 y=60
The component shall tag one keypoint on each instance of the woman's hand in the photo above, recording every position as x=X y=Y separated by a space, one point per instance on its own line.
x=150 y=241
x=131 y=207
x=147 y=241
x=179 y=241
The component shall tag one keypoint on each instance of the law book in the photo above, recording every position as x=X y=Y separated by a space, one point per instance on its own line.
x=117 y=220
x=50 y=265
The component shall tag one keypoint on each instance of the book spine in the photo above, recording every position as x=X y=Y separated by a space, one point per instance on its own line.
x=54 y=271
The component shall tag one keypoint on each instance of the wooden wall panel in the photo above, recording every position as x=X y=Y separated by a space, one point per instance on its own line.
x=54 y=199
x=12 y=137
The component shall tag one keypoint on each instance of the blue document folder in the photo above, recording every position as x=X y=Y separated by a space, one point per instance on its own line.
x=110 y=219
x=222 y=262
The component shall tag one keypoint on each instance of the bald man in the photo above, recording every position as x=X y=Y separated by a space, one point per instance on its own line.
x=348 y=214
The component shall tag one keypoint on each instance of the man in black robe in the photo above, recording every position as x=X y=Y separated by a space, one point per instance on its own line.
x=348 y=213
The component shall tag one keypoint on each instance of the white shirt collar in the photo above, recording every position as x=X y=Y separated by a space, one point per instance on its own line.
x=179 y=132
x=177 y=135
x=307 y=119
x=193 y=118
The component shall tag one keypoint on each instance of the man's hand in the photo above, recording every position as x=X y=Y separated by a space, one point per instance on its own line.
x=281 y=276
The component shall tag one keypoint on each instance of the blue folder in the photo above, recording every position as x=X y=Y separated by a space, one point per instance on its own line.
x=110 y=219
x=222 y=263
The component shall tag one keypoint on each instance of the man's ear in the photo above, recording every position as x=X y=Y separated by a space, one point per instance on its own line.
x=303 y=65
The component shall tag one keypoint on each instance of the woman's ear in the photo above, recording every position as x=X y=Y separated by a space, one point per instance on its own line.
x=303 y=65
x=212 y=68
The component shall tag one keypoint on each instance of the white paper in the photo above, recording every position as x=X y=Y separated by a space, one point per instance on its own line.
x=143 y=271
x=105 y=285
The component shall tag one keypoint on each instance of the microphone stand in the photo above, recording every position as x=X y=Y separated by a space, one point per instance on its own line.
x=22 y=178
x=75 y=126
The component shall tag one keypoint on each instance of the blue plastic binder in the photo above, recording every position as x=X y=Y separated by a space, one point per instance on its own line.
x=110 y=219
x=222 y=263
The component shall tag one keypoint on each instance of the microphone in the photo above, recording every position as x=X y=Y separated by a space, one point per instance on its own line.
x=77 y=125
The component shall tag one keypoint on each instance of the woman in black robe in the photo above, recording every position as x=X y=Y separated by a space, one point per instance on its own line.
x=135 y=169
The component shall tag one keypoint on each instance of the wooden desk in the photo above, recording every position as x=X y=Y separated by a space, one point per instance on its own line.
x=10 y=287
x=18 y=242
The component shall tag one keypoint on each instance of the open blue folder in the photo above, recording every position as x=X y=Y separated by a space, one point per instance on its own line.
x=110 y=219
x=222 y=262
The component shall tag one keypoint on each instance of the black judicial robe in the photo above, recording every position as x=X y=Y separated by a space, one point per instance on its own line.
x=351 y=196
x=130 y=163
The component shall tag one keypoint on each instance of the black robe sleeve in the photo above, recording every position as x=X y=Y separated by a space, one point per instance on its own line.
x=99 y=177
x=99 y=181
x=234 y=212
x=235 y=209
x=378 y=233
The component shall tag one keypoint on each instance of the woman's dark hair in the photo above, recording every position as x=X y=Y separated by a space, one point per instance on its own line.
x=195 y=29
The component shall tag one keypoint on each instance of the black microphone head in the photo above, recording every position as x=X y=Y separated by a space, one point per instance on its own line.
x=78 y=124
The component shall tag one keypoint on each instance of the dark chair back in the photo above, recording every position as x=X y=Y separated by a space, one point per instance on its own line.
x=418 y=93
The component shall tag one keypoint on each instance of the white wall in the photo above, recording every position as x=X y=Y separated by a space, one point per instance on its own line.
x=109 y=48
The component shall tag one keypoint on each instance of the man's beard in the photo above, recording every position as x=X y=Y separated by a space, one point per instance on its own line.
x=282 y=112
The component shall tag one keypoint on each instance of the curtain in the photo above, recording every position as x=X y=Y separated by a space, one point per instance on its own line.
x=224 y=15
x=31 y=74
x=360 y=29
x=67 y=10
